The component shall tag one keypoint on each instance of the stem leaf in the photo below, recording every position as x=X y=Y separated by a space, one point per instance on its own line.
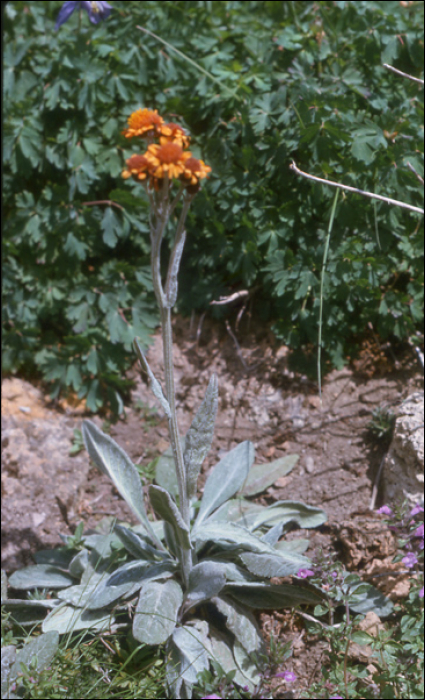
x=199 y=436
x=154 y=383
x=172 y=285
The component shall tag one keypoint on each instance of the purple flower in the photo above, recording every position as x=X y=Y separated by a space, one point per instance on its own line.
x=304 y=573
x=288 y=676
x=385 y=510
x=417 y=509
x=419 y=532
x=96 y=11
x=410 y=560
x=336 y=697
x=212 y=697
x=421 y=592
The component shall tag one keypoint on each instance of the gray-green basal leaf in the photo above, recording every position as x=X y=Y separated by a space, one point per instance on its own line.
x=127 y=580
x=111 y=459
x=225 y=479
x=242 y=624
x=290 y=512
x=165 y=507
x=206 y=580
x=261 y=476
x=66 y=619
x=40 y=576
x=188 y=653
x=157 y=611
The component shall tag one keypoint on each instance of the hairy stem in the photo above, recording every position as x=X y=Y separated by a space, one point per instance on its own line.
x=157 y=232
x=174 y=431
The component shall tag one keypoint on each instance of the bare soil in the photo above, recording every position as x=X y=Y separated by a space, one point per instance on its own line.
x=46 y=491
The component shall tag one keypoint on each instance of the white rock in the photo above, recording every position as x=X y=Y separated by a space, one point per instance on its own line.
x=404 y=467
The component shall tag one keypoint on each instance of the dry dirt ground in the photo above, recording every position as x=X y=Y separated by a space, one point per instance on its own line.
x=46 y=491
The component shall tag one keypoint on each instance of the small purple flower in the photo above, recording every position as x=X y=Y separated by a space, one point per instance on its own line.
x=304 y=573
x=385 y=510
x=410 y=560
x=419 y=532
x=96 y=11
x=421 y=592
x=288 y=676
x=212 y=697
x=336 y=697
x=417 y=509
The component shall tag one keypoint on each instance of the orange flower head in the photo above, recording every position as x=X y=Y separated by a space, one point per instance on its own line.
x=175 y=133
x=136 y=168
x=167 y=159
x=144 y=122
x=194 y=171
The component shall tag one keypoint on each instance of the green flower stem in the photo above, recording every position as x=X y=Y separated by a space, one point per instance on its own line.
x=163 y=211
x=186 y=555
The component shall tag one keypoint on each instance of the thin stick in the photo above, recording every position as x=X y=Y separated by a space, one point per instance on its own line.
x=232 y=297
x=387 y=200
x=404 y=75
x=102 y=201
x=410 y=166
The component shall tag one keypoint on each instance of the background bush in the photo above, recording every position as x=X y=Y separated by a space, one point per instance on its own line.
x=263 y=82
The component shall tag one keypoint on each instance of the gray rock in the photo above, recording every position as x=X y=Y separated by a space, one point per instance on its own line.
x=404 y=468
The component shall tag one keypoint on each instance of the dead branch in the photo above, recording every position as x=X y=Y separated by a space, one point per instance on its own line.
x=102 y=201
x=403 y=75
x=229 y=299
x=347 y=188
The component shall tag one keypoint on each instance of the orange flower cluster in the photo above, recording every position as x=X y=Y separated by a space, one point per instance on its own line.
x=166 y=159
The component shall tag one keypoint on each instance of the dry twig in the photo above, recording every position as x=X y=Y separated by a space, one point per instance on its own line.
x=404 y=75
x=229 y=299
x=347 y=188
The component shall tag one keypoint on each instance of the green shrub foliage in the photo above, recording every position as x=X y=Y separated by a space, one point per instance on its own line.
x=258 y=84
